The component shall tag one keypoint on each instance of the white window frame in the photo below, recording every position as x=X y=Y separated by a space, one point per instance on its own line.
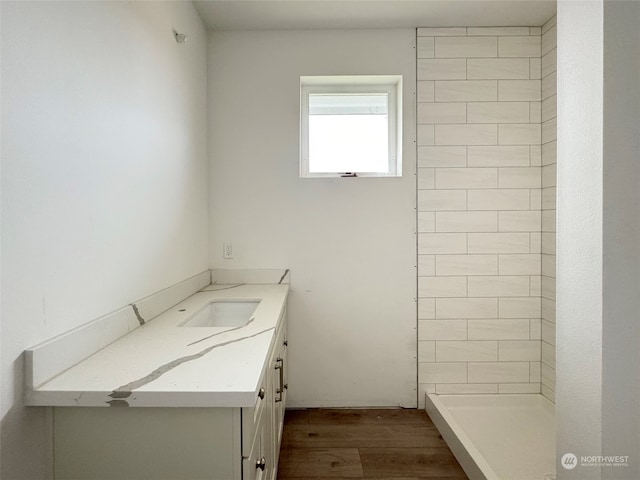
x=388 y=84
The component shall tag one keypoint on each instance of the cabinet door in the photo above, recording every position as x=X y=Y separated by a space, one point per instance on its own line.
x=258 y=464
x=280 y=368
x=146 y=443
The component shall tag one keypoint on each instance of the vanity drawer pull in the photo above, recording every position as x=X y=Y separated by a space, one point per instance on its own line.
x=261 y=464
x=261 y=394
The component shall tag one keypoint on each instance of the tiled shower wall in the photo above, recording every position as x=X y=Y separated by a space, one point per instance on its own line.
x=549 y=209
x=479 y=210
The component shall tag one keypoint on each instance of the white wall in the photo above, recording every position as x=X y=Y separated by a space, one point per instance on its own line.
x=621 y=256
x=349 y=243
x=104 y=177
x=598 y=275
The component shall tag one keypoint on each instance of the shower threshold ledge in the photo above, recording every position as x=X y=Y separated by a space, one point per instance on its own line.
x=498 y=437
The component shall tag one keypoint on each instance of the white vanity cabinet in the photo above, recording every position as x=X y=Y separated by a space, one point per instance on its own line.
x=178 y=443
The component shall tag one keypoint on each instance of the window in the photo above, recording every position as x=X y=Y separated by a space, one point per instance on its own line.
x=351 y=126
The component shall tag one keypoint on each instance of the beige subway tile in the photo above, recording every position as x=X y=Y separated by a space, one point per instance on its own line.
x=548 y=265
x=426 y=222
x=497 y=68
x=548 y=220
x=519 y=264
x=535 y=112
x=498 y=242
x=438 y=156
x=535 y=155
x=442 y=243
x=466 y=90
x=548 y=332
x=549 y=85
x=442 y=329
x=549 y=198
x=548 y=287
x=426 y=351
x=426 y=309
x=466 y=307
x=498 y=372
x=442 y=31
x=519 y=177
x=517 y=307
x=520 y=46
x=549 y=108
x=548 y=310
x=548 y=354
x=498 y=112
x=499 y=199
x=517 y=388
x=466 y=264
x=535 y=195
x=442 y=69
x=499 y=329
x=425 y=134
x=426 y=178
x=437 y=200
x=498 y=286
x=549 y=24
x=519 y=350
x=549 y=41
x=535 y=69
x=535 y=285
x=466 y=221
x=519 y=134
x=535 y=328
x=466 y=134
x=442 y=112
x=449 y=178
x=497 y=31
x=466 y=388
x=424 y=47
x=535 y=242
x=442 y=373
x=463 y=47
x=549 y=153
x=423 y=390
x=549 y=63
x=467 y=351
x=519 y=221
x=548 y=393
x=426 y=91
x=426 y=265
x=519 y=91
x=535 y=371
x=548 y=376
x=498 y=156
x=549 y=243
x=442 y=287
x=549 y=130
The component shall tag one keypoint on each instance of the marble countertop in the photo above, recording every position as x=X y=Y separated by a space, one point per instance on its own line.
x=161 y=364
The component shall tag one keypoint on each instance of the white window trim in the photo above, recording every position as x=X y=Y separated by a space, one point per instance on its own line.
x=389 y=84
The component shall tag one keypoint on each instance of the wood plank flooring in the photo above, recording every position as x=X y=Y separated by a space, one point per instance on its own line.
x=381 y=444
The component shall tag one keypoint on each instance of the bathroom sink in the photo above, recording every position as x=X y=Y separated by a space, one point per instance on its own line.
x=235 y=313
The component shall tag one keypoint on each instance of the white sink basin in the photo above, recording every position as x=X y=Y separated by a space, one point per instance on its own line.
x=236 y=313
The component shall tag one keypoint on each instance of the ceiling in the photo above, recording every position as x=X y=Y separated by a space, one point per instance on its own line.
x=331 y=14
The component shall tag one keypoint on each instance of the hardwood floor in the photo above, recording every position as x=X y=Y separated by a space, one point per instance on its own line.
x=381 y=444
